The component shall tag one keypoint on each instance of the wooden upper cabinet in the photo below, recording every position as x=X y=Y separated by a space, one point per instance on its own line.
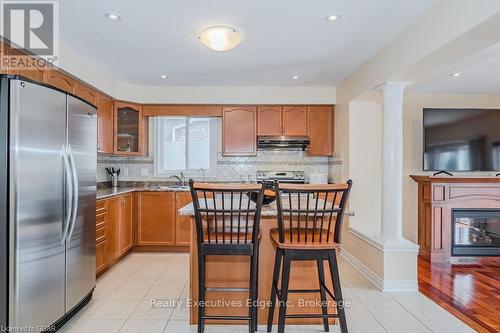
x=156 y=218
x=320 y=130
x=239 y=130
x=269 y=120
x=294 y=120
x=126 y=222
x=84 y=92
x=130 y=129
x=59 y=80
x=25 y=65
x=104 y=125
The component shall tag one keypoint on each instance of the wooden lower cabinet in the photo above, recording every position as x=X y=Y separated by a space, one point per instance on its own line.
x=113 y=249
x=154 y=215
x=182 y=222
x=114 y=229
x=126 y=225
x=159 y=223
x=101 y=258
x=156 y=218
x=101 y=241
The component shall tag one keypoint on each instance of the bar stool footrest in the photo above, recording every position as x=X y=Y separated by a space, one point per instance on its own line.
x=319 y=316
x=227 y=289
x=226 y=317
x=304 y=291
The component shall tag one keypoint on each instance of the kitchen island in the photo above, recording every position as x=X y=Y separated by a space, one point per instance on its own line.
x=233 y=271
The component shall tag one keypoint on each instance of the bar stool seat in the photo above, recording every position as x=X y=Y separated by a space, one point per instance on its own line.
x=301 y=243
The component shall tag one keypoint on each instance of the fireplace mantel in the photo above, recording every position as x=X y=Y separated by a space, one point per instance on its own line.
x=437 y=197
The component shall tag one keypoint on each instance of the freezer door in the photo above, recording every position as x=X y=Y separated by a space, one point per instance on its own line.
x=80 y=241
x=36 y=249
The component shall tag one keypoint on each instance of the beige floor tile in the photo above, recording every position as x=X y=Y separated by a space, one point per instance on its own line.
x=181 y=327
x=88 y=309
x=147 y=310
x=143 y=326
x=96 y=326
x=112 y=309
x=122 y=300
x=134 y=288
x=165 y=292
x=407 y=326
x=181 y=313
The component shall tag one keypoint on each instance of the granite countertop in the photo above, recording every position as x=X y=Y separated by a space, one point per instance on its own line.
x=267 y=210
x=107 y=192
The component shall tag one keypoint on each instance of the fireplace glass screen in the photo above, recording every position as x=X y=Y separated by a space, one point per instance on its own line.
x=476 y=232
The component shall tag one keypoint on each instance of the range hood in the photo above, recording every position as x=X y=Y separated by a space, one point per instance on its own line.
x=283 y=142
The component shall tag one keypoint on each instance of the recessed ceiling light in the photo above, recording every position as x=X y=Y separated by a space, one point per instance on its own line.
x=163 y=76
x=220 y=37
x=113 y=16
x=333 y=17
x=295 y=77
x=456 y=74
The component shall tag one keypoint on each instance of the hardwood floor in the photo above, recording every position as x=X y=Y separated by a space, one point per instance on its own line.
x=468 y=289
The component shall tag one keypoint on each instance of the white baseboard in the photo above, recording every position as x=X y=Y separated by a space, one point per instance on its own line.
x=387 y=286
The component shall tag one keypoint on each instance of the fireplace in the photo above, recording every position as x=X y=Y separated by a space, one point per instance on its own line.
x=475 y=232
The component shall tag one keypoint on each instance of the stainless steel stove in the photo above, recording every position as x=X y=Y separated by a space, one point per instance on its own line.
x=282 y=176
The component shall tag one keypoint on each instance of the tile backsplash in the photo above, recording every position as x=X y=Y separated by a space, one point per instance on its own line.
x=227 y=168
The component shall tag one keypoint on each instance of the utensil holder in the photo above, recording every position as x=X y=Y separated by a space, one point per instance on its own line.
x=114 y=180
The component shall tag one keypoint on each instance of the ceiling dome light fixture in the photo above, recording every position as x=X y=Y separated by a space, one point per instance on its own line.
x=456 y=74
x=295 y=77
x=220 y=37
x=333 y=17
x=113 y=16
x=163 y=76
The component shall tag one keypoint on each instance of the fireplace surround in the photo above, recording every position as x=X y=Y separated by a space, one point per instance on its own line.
x=439 y=198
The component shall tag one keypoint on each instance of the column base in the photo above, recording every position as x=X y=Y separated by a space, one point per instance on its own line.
x=396 y=245
x=391 y=265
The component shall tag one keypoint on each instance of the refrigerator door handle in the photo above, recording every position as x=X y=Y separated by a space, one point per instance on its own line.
x=75 y=193
x=69 y=191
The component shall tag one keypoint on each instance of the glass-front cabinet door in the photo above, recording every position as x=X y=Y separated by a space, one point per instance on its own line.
x=130 y=129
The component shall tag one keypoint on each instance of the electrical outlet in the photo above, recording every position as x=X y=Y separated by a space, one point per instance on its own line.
x=144 y=172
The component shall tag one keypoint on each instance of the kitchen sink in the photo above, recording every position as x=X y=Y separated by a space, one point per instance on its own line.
x=171 y=187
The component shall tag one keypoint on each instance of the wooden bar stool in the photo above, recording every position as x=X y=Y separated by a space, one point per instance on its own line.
x=309 y=228
x=227 y=224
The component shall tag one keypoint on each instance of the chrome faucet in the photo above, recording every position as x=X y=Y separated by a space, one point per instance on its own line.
x=181 y=179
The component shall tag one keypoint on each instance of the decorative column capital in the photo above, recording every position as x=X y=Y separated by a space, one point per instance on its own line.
x=396 y=85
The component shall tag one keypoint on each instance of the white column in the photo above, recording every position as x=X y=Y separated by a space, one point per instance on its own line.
x=392 y=161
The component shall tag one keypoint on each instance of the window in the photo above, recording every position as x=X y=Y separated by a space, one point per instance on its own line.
x=185 y=144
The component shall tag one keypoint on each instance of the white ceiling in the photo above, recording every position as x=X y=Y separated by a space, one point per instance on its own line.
x=480 y=76
x=282 y=38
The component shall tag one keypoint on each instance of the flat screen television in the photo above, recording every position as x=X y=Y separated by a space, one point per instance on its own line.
x=461 y=139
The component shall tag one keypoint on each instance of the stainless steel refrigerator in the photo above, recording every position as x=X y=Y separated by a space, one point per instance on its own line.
x=47 y=204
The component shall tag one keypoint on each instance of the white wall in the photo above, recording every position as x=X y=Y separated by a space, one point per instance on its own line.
x=365 y=165
x=412 y=145
x=225 y=95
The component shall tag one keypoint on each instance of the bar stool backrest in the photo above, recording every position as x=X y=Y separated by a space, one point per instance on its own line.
x=225 y=214
x=311 y=213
